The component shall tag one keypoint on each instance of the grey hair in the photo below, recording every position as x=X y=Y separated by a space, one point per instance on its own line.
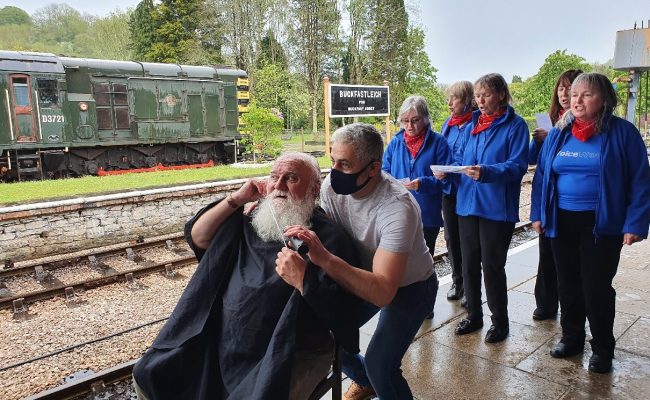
x=496 y=83
x=418 y=104
x=309 y=161
x=462 y=90
x=366 y=141
x=603 y=86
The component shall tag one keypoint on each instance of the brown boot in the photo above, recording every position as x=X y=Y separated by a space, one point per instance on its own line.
x=358 y=392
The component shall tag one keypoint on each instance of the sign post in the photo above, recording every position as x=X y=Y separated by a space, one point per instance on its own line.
x=326 y=87
x=355 y=101
x=387 y=120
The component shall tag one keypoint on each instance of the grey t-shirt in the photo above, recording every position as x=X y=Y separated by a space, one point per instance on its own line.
x=389 y=219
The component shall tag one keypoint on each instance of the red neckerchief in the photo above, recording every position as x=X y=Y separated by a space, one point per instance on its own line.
x=414 y=143
x=560 y=113
x=459 y=119
x=583 y=130
x=485 y=121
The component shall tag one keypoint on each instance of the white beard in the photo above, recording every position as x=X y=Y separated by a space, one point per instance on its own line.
x=287 y=211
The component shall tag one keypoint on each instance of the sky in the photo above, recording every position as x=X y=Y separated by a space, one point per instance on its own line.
x=468 y=38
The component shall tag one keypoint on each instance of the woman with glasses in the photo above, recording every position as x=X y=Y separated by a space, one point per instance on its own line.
x=408 y=157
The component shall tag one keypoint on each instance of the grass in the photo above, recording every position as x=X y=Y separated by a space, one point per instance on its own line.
x=33 y=191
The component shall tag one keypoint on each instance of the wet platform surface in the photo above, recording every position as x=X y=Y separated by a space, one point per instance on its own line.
x=441 y=365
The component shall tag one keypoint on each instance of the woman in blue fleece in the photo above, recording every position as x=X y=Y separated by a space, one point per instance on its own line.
x=546 y=296
x=456 y=128
x=590 y=196
x=496 y=156
x=408 y=157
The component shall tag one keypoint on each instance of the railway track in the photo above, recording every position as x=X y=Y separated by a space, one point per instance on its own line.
x=45 y=272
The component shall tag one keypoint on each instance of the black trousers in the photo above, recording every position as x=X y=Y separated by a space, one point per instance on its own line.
x=484 y=242
x=546 y=296
x=452 y=238
x=586 y=265
x=430 y=236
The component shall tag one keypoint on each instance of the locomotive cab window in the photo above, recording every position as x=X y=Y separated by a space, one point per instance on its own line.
x=21 y=92
x=48 y=91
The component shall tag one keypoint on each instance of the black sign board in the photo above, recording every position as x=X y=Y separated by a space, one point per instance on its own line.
x=359 y=100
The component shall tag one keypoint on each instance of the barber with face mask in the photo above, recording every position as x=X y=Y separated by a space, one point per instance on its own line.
x=397 y=279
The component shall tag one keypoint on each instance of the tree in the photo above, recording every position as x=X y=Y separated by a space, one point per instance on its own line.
x=264 y=128
x=175 y=25
x=10 y=15
x=271 y=52
x=421 y=78
x=516 y=79
x=360 y=18
x=389 y=48
x=537 y=91
x=141 y=28
x=314 y=41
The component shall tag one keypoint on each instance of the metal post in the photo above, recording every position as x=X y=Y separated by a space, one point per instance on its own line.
x=326 y=102
x=632 y=95
x=387 y=121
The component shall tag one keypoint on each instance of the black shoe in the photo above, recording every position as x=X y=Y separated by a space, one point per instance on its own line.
x=455 y=292
x=468 y=326
x=495 y=334
x=600 y=364
x=564 y=350
x=463 y=301
x=540 y=315
x=429 y=316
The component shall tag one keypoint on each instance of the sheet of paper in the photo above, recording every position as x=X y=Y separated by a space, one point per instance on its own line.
x=448 y=169
x=543 y=121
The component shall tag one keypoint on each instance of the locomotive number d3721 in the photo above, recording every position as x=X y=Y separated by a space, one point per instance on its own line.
x=62 y=116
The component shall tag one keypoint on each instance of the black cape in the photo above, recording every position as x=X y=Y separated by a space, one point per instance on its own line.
x=236 y=278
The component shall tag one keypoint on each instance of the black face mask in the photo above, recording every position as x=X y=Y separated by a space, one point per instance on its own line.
x=345 y=184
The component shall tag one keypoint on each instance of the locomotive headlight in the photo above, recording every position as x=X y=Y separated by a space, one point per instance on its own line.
x=83 y=106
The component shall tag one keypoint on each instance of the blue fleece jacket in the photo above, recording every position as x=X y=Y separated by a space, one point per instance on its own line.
x=502 y=153
x=624 y=194
x=399 y=163
x=457 y=138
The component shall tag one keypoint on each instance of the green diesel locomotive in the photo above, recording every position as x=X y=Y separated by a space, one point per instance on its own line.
x=62 y=116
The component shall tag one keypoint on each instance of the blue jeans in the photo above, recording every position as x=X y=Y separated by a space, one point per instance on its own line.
x=398 y=323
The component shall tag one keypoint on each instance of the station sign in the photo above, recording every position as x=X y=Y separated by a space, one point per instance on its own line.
x=358 y=100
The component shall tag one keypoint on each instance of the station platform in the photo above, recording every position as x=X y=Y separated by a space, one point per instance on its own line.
x=442 y=365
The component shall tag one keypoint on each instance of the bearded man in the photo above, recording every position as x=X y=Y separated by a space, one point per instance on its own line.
x=246 y=328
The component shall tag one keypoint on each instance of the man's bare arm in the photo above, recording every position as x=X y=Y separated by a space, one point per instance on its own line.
x=206 y=226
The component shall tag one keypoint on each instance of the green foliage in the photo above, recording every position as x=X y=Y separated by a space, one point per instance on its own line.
x=390 y=49
x=12 y=37
x=315 y=42
x=535 y=95
x=62 y=30
x=421 y=79
x=108 y=37
x=271 y=52
x=142 y=29
x=10 y=15
x=174 y=34
x=264 y=128
x=276 y=87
